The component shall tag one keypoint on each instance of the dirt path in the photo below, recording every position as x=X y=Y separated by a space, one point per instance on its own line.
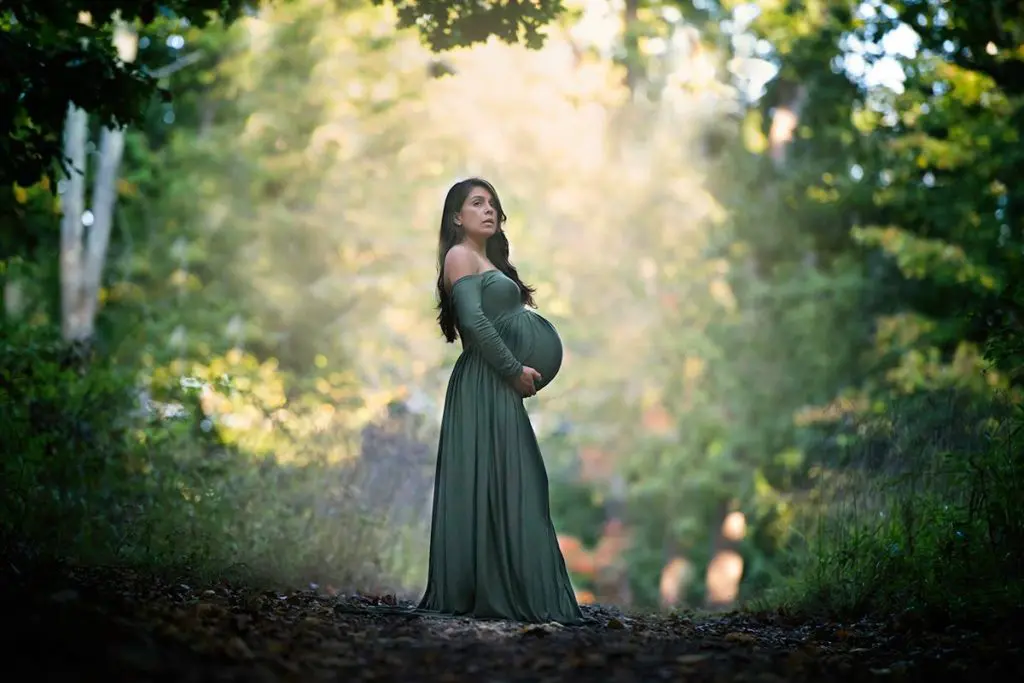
x=116 y=625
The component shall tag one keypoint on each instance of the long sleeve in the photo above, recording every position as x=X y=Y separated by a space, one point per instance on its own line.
x=466 y=296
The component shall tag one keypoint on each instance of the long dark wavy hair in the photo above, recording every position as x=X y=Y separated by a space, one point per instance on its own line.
x=451 y=234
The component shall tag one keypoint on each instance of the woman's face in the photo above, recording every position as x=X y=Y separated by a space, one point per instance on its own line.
x=479 y=215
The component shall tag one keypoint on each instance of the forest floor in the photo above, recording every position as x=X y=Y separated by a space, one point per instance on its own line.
x=77 y=624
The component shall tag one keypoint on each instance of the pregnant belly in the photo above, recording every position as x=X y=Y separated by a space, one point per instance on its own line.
x=535 y=342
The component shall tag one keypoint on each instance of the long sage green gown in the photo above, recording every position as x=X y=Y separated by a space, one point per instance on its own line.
x=493 y=550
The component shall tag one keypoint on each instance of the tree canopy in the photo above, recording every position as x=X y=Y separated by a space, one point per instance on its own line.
x=59 y=52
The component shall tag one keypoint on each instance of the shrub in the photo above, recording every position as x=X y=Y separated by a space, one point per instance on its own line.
x=90 y=476
x=923 y=515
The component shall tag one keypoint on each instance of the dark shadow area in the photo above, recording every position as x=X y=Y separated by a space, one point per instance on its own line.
x=120 y=625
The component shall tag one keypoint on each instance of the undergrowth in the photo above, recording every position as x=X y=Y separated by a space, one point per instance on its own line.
x=921 y=516
x=90 y=478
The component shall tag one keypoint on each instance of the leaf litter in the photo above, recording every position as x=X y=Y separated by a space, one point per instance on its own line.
x=115 y=624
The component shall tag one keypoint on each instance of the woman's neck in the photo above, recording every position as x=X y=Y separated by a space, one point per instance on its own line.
x=480 y=249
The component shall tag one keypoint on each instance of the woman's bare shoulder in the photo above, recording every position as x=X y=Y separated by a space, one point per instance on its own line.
x=459 y=262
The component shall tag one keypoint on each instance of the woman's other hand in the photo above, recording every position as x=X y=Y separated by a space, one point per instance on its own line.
x=525 y=383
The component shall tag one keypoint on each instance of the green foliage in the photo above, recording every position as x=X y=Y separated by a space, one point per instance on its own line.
x=1005 y=342
x=576 y=510
x=903 y=199
x=791 y=327
x=920 y=518
x=62 y=429
x=207 y=287
x=445 y=24
x=26 y=221
x=90 y=476
x=52 y=59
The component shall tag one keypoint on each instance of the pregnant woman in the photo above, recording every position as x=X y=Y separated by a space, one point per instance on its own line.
x=493 y=550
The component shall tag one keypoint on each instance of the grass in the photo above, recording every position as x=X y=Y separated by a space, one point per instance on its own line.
x=929 y=524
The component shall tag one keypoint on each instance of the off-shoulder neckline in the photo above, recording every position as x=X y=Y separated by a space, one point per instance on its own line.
x=472 y=275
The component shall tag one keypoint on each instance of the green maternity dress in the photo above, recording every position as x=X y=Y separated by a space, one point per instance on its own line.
x=493 y=550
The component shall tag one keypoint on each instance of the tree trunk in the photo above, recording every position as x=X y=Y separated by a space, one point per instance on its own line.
x=725 y=570
x=84 y=255
x=104 y=196
x=674 y=582
x=73 y=206
x=785 y=120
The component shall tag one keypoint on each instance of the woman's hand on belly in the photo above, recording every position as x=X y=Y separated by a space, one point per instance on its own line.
x=525 y=382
